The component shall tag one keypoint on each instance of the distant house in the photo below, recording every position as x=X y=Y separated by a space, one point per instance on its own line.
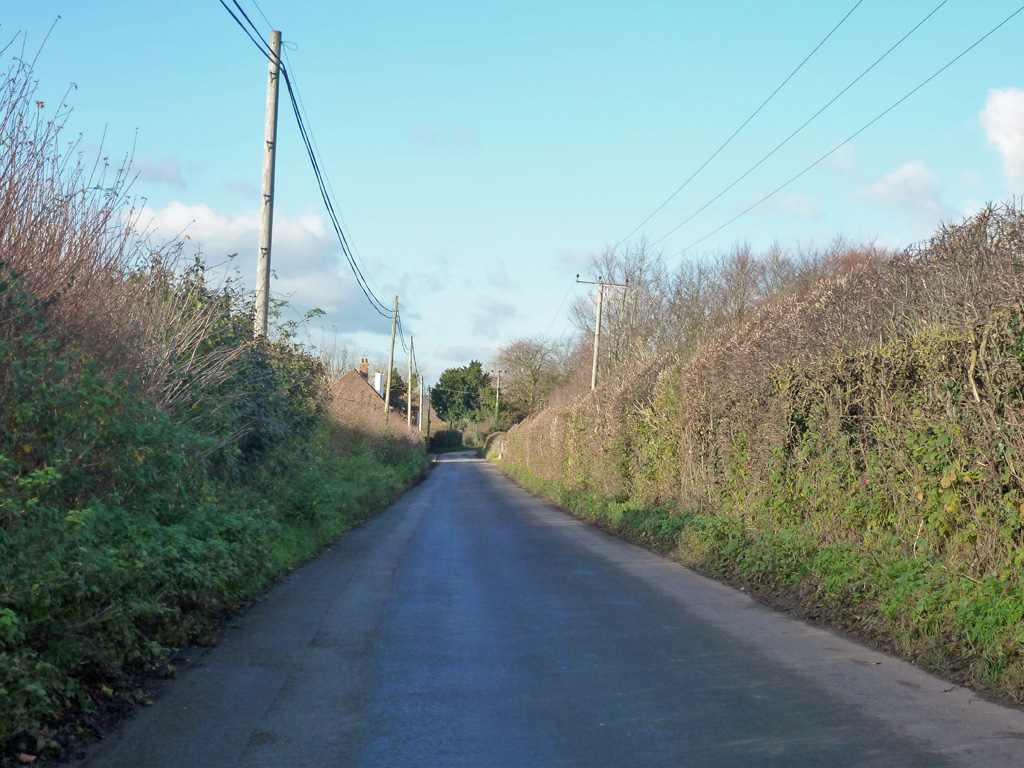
x=358 y=403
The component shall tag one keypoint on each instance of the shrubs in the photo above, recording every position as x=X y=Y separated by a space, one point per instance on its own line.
x=863 y=433
x=125 y=528
x=445 y=438
x=157 y=463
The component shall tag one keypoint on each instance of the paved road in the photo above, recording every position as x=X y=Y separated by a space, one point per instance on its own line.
x=471 y=625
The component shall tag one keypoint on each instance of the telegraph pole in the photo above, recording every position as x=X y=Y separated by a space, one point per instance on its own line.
x=597 y=328
x=497 y=394
x=419 y=416
x=267 y=212
x=408 y=390
x=597 y=333
x=391 y=361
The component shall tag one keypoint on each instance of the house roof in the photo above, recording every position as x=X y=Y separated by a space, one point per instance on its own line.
x=353 y=388
x=354 y=399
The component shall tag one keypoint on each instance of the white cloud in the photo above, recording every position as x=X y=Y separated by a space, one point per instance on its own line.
x=217 y=234
x=488 y=320
x=973 y=180
x=910 y=189
x=242 y=187
x=302 y=244
x=972 y=207
x=464 y=354
x=572 y=262
x=1003 y=121
x=843 y=161
x=164 y=172
x=310 y=270
x=498 y=277
x=801 y=206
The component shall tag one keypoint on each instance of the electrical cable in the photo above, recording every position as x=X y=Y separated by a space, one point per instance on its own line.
x=381 y=308
x=252 y=26
x=565 y=298
x=401 y=334
x=262 y=13
x=742 y=126
x=263 y=47
x=361 y=280
x=854 y=135
x=809 y=120
x=330 y=188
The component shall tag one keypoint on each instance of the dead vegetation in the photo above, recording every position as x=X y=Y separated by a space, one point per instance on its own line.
x=69 y=227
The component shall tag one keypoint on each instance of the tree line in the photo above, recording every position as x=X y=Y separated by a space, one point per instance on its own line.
x=663 y=310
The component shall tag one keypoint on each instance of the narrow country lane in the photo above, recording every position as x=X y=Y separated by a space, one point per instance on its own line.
x=472 y=625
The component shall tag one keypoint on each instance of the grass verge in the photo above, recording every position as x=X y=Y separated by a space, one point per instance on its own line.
x=966 y=629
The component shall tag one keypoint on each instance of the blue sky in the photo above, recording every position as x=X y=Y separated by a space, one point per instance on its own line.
x=481 y=152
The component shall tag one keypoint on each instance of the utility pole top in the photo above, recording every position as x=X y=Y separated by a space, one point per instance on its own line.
x=597 y=328
x=600 y=281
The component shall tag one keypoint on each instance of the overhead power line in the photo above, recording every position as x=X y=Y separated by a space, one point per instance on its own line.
x=262 y=13
x=742 y=126
x=305 y=116
x=401 y=334
x=380 y=307
x=253 y=33
x=856 y=133
x=257 y=40
x=807 y=122
x=572 y=287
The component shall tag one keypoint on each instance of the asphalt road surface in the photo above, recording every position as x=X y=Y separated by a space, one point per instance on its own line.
x=472 y=625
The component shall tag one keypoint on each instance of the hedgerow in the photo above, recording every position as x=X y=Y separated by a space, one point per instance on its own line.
x=158 y=464
x=857 y=441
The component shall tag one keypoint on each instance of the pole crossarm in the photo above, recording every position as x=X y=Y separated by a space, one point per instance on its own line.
x=597 y=328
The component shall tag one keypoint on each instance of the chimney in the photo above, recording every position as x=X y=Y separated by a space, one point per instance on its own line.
x=364 y=368
x=378 y=383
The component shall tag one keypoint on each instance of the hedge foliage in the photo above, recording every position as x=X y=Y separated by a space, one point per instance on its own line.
x=158 y=464
x=864 y=436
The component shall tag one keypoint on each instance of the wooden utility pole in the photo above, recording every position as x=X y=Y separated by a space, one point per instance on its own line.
x=597 y=333
x=408 y=390
x=497 y=395
x=391 y=361
x=597 y=328
x=267 y=212
x=419 y=416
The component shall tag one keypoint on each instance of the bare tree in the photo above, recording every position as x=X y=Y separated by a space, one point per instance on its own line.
x=631 y=323
x=778 y=270
x=739 y=277
x=662 y=312
x=337 y=360
x=691 y=308
x=530 y=369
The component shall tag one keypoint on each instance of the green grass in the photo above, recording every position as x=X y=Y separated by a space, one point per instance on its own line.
x=969 y=629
